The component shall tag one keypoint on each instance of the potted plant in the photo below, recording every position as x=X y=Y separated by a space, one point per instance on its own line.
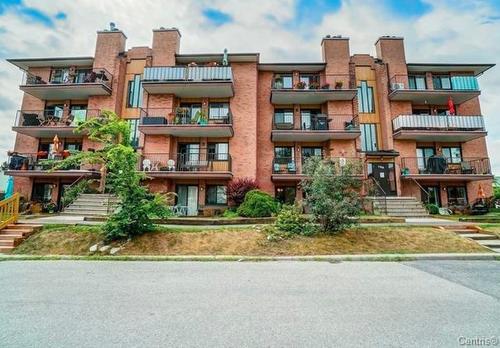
x=50 y=207
x=325 y=86
x=338 y=84
x=314 y=85
x=405 y=171
x=300 y=85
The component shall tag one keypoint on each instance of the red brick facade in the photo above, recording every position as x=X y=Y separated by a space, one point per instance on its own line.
x=253 y=103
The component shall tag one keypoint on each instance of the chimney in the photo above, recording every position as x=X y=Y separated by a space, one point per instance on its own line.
x=391 y=50
x=166 y=43
x=110 y=43
x=336 y=55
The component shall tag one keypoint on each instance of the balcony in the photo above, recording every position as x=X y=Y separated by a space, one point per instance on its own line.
x=462 y=88
x=48 y=123
x=61 y=86
x=309 y=94
x=42 y=165
x=318 y=128
x=438 y=127
x=189 y=82
x=437 y=168
x=287 y=168
x=186 y=122
x=200 y=165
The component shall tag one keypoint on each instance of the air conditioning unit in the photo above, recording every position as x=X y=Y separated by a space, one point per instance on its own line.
x=397 y=85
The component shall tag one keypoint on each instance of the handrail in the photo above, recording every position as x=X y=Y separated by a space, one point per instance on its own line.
x=383 y=192
x=62 y=206
x=9 y=210
x=422 y=188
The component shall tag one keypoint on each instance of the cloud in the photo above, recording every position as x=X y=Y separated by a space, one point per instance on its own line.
x=434 y=31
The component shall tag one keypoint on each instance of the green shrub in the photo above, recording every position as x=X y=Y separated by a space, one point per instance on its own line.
x=72 y=193
x=258 y=204
x=291 y=220
x=432 y=209
x=228 y=213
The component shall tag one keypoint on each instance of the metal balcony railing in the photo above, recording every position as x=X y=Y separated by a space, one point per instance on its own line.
x=185 y=116
x=457 y=82
x=198 y=161
x=438 y=122
x=316 y=122
x=42 y=161
x=446 y=166
x=53 y=118
x=67 y=77
x=185 y=73
x=288 y=165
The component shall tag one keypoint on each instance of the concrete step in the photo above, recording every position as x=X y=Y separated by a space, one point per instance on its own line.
x=479 y=236
x=17 y=232
x=497 y=250
x=90 y=207
x=23 y=226
x=83 y=214
x=9 y=242
x=10 y=236
x=88 y=211
x=490 y=243
x=5 y=249
x=393 y=198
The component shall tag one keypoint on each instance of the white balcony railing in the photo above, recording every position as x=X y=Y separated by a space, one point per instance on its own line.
x=438 y=122
x=181 y=73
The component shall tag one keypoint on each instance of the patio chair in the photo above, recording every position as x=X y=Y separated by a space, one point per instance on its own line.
x=467 y=168
x=30 y=120
x=291 y=167
x=146 y=165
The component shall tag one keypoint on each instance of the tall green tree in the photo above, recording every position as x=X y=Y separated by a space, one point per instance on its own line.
x=118 y=161
x=332 y=193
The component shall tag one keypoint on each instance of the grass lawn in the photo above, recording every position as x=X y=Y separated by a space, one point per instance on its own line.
x=71 y=240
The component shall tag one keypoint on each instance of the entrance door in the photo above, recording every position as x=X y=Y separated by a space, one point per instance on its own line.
x=383 y=173
x=187 y=199
x=432 y=195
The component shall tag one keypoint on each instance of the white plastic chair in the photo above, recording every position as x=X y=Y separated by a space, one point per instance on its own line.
x=146 y=165
x=171 y=165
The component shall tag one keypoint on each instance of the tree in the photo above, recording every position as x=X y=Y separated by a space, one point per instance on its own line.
x=238 y=188
x=118 y=159
x=332 y=193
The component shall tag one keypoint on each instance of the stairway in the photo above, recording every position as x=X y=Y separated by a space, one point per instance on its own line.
x=398 y=206
x=14 y=234
x=92 y=204
x=490 y=241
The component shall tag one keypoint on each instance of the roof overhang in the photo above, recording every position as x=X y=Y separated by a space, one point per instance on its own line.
x=27 y=63
x=476 y=69
x=191 y=89
x=210 y=130
x=313 y=135
x=438 y=135
x=66 y=91
x=289 y=67
x=200 y=58
x=310 y=96
x=433 y=97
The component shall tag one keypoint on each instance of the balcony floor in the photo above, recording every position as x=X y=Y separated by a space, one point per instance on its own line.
x=433 y=97
x=47 y=131
x=447 y=177
x=189 y=175
x=310 y=96
x=52 y=174
x=210 y=130
x=312 y=135
x=66 y=91
x=191 y=89
x=438 y=135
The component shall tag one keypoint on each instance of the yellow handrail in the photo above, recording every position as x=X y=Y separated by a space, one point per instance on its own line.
x=9 y=210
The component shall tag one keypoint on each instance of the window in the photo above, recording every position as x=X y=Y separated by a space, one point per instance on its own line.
x=216 y=195
x=457 y=195
x=283 y=81
x=452 y=154
x=188 y=153
x=369 y=137
x=309 y=79
x=308 y=119
x=218 y=111
x=134 y=96
x=310 y=152
x=42 y=192
x=365 y=98
x=54 y=111
x=417 y=82
x=285 y=194
x=79 y=114
x=423 y=154
x=187 y=113
x=441 y=82
x=218 y=151
x=60 y=75
x=81 y=75
x=283 y=117
x=72 y=146
x=134 y=132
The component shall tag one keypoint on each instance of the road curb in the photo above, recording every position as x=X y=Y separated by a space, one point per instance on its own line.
x=324 y=258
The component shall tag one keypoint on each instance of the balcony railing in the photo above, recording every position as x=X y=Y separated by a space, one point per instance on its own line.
x=42 y=161
x=183 y=116
x=89 y=76
x=192 y=162
x=438 y=122
x=53 y=118
x=288 y=165
x=185 y=73
x=438 y=165
x=317 y=122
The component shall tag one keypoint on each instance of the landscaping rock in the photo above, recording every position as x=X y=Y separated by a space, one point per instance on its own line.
x=114 y=251
x=94 y=248
x=104 y=248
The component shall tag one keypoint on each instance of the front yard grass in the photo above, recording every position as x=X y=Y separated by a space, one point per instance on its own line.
x=76 y=240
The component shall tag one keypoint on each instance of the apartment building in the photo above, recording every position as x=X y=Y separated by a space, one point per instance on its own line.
x=201 y=120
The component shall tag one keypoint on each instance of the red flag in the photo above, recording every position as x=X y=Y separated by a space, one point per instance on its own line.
x=451 y=106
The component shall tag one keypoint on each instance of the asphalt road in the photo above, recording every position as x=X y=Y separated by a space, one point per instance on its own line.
x=268 y=304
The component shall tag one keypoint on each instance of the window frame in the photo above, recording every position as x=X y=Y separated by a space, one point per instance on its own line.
x=210 y=188
x=278 y=195
x=134 y=92
x=372 y=135
x=366 y=98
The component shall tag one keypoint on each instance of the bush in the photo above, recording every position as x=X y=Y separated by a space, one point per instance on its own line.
x=291 y=220
x=237 y=189
x=258 y=204
x=432 y=209
x=228 y=213
x=72 y=193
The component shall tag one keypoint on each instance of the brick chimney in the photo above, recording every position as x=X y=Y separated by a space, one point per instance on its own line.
x=391 y=50
x=110 y=43
x=166 y=43
x=336 y=55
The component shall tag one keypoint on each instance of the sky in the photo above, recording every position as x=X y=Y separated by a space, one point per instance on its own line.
x=458 y=31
